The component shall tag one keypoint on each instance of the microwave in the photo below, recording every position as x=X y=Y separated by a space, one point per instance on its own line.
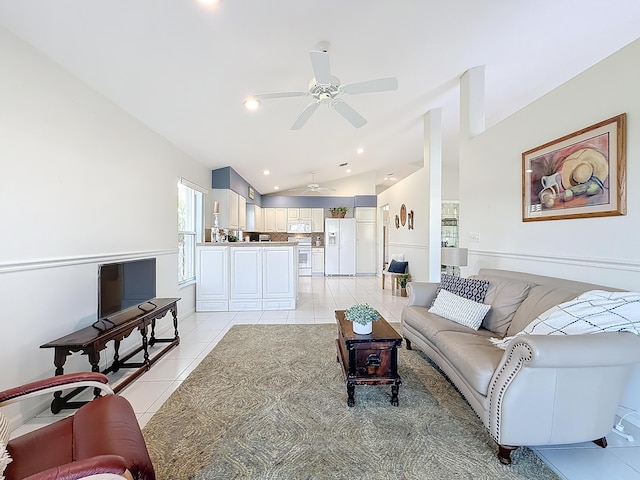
x=299 y=226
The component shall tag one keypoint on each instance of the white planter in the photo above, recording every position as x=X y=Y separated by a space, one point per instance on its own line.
x=362 y=329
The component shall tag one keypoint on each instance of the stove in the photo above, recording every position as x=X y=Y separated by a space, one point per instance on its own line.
x=304 y=255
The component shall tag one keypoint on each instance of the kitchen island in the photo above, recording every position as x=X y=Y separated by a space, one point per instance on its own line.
x=236 y=276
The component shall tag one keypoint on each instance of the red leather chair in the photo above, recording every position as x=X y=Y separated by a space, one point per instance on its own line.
x=103 y=436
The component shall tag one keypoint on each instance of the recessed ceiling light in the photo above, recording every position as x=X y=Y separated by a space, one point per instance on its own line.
x=210 y=3
x=386 y=178
x=276 y=187
x=251 y=104
x=348 y=170
x=360 y=151
x=266 y=172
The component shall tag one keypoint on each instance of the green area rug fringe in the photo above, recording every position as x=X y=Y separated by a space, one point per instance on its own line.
x=269 y=402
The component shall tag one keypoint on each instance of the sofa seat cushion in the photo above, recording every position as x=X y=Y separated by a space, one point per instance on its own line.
x=429 y=324
x=473 y=356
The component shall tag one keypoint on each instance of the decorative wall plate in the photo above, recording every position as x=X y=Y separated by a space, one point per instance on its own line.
x=403 y=214
x=397 y=221
x=410 y=220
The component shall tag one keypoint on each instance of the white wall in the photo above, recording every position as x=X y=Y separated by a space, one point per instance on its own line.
x=412 y=191
x=596 y=250
x=82 y=183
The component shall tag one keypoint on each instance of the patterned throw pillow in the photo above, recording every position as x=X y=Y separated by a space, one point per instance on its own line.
x=469 y=288
x=459 y=310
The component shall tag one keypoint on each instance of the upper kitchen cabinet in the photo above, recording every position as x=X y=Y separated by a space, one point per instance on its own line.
x=233 y=209
x=305 y=214
x=242 y=213
x=365 y=214
x=255 y=220
x=317 y=219
x=293 y=213
x=281 y=219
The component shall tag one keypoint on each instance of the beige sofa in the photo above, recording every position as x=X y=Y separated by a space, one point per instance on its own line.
x=541 y=390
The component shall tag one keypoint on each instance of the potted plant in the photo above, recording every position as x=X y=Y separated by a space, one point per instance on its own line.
x=361 y=315
x=338 y=212
x=403 y=278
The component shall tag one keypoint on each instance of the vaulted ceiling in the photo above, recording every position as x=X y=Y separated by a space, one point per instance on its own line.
x=184 y=69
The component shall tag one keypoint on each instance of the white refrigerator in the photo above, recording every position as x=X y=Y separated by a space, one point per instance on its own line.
x=340 y=246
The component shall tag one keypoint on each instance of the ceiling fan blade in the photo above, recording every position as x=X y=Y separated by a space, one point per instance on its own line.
x=347 y=111
x=321 y=69
x=267 y=96
x=304 y=116
x=370 y=86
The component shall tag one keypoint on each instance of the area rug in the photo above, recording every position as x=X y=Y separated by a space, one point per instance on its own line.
x=269 y=402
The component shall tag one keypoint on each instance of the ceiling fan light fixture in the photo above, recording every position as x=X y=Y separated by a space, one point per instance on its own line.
x=251 y=104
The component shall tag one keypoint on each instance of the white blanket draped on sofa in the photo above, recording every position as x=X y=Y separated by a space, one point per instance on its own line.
x=594 y=311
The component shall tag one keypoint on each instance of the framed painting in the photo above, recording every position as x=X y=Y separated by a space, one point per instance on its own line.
x=580 y=175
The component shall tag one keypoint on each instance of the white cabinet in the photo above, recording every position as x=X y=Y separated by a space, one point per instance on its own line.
x=233 y=210
x=269 y=216
x=275 y=219
x=293 y=213
x=305 y=214
x=245 y=279
x=365 y=248
x=279 y=278
x=212 y=279
x=366 y=240
x=254 y=219
x=317 y=261
x=244 y=276
x=259 y=225
x=365 y=214
x=281 y=220
x=242 y=213
x=317 y=220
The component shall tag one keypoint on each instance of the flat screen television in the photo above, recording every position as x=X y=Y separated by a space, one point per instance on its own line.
x=123 y=285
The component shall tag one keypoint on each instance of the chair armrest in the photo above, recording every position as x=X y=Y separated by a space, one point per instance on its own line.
x=52 y=384
x=83 y=468
x=422 y=293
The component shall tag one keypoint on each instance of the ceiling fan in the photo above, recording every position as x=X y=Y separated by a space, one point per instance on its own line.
x=326 y=88
x=312 y=187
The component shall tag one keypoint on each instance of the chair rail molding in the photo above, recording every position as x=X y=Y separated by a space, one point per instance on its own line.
x=623 y=265
x=38 y=264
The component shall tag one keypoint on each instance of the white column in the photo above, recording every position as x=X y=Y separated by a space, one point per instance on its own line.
x=472 y=102
x=433 y=163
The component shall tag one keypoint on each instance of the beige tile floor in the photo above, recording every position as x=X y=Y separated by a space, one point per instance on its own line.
x=319 y=297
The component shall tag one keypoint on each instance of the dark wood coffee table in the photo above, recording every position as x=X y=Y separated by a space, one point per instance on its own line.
x=368 y=359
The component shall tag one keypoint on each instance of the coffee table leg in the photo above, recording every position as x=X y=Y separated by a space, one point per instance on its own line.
x=394 y=392
x=351 y=388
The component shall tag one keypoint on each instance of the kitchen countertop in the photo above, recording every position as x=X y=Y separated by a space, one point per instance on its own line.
x=247 y=244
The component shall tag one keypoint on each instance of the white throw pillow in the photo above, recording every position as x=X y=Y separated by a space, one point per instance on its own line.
x=5 y=458
x=398 y=257
x=459 y=309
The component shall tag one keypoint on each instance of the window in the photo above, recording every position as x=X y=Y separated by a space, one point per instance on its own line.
x=190 y=214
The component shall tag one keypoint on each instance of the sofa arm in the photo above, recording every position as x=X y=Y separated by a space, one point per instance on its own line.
x=83 y=468
x=422 y=293
x=52 y=384
x=570 y=351
x=559 y=389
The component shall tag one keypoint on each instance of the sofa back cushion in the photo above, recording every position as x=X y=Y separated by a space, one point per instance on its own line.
x=540 y=299
x=505 y=296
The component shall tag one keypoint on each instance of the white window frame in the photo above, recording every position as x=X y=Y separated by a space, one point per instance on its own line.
x=190 y=204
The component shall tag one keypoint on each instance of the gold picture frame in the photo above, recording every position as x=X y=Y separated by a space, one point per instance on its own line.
x=580 y=175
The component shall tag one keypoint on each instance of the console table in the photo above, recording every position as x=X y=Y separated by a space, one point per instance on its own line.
x=93 y=339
